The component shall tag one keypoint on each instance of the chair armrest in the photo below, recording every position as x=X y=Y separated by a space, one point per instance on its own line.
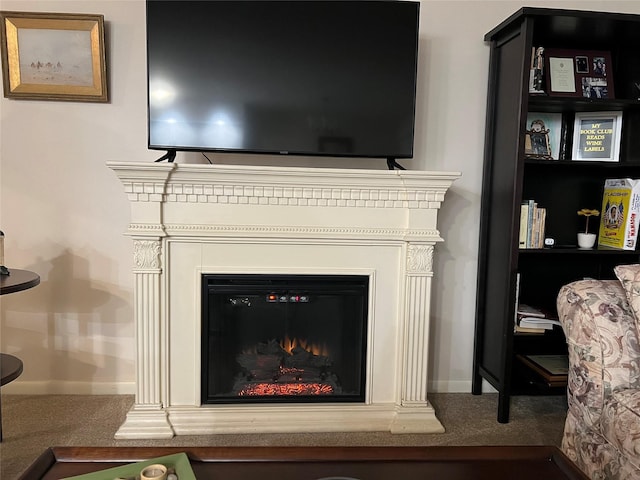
x=604 y=349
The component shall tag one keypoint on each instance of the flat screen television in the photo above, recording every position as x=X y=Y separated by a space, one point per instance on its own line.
x=325 y=78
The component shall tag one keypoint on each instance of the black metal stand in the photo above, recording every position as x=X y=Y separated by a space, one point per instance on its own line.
x=392 y=164
x=170 y=156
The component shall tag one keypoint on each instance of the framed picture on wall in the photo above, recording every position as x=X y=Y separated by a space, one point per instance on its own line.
x=579 y=73
x=596 y=136
x=53 y=56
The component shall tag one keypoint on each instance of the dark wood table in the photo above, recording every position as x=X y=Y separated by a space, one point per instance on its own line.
x=10 y=366
x=315 y=463
x=10 y=369
x=17 y=281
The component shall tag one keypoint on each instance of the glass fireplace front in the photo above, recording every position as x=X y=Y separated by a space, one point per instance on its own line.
x=284 y=338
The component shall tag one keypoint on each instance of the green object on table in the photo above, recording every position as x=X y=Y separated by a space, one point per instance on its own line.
x=178 y=461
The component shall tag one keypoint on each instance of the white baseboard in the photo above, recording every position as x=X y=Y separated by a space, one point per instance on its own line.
x=449 y=386
x=50 y=387
x=458 y=386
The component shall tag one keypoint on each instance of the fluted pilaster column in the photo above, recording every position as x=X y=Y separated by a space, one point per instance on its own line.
x=414 y=414
x=416 y=331
x=147 y=270
x=146 y=189
x=148 y=418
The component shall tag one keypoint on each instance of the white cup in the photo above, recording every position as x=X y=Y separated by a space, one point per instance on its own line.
x=154 y=472
x=586 y=240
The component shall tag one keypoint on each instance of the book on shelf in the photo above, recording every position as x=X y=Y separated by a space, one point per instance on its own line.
x=529 y=311
x=620 y=214
x=529 y=319
x=522 y=307
x=524 y=218
x=537 y=322
x=532 y=225
x=519 y=329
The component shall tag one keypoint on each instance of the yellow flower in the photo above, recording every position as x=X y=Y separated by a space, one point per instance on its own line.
x=588 y=213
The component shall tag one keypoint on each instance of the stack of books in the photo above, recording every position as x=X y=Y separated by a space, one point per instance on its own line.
x=532 y=225
x=533 y=320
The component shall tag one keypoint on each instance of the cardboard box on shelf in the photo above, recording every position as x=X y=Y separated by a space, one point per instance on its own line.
x=620 y=214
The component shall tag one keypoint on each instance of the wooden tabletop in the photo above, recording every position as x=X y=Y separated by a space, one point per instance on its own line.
x=294 y=463
x=18 y=280
x=10 y=368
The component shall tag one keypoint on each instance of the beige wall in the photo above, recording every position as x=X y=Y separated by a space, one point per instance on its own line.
x=64 y=212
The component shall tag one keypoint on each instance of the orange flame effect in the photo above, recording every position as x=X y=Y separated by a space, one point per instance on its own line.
x=289 y=344
x=301 y=388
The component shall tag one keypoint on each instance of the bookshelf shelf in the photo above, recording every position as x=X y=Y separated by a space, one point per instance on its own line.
x=631 y=255
x=560 y=104
x=507 y=273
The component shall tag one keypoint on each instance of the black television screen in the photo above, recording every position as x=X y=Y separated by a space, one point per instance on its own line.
x=332 y=78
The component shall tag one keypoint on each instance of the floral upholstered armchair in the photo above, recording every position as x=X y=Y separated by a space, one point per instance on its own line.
x=601 y=321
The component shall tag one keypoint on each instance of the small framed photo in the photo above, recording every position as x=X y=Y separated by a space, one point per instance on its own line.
x=543 y=136
x=582 y=64
x=579 y=73
x=53 y=56
x=596 y=136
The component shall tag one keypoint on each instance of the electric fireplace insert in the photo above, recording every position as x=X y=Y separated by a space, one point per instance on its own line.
x=284 y=338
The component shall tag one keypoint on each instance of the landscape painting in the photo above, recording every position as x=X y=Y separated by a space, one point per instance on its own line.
x=53 y=56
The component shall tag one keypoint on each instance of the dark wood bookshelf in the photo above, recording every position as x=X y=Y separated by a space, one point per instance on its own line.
x=561 y=186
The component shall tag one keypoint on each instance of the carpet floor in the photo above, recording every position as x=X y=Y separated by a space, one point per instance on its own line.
x=31 y=423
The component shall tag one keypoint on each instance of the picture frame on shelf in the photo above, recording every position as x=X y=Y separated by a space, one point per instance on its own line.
x=543 y=136
x=536 y=73
x=59 y=56
x=579 y=73
x=596 y=136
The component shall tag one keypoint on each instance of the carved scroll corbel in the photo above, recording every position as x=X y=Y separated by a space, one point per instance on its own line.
x=146 y=254
x=420 y=259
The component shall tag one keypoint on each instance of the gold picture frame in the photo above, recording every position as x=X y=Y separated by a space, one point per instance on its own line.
x=53 y=56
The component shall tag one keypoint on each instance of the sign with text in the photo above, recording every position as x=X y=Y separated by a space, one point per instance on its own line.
x=596 y=136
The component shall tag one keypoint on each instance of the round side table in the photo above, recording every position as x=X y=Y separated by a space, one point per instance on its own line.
x=17 y=281
x=10 y=366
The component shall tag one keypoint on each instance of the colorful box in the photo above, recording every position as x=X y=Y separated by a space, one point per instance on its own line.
x=620 y=214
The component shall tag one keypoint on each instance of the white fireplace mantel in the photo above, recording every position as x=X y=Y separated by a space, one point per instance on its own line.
x=188 y=220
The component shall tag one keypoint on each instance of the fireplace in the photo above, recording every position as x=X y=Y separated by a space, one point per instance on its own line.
x=235 y=226
x=283 y=338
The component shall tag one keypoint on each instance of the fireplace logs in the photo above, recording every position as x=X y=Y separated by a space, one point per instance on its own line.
x=273 y=371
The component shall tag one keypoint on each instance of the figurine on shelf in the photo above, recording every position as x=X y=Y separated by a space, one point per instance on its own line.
x=537 y=140
x=3 y=270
